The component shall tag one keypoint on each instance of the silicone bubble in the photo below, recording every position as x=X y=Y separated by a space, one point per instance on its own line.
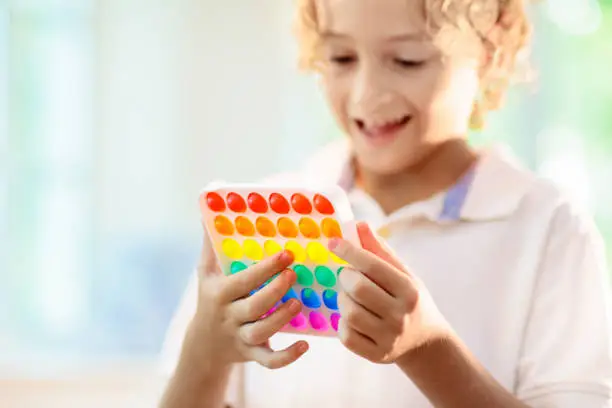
x=265 y=227
x=272 y=247
x=335 y=320
x=299 y=322
x=237 y=266
x=331 y=228
x=289 y=295
x=253 y=250
x=304 y=276
x=257 y=203
x=223 y=225
x=236 y=203
x=244 y=226
x=279 y=204
x=310 y=298
x=301 y=204
x=323 y=205
x=318 y=321
x=299 y=254
x=317 y=252
x=287 y=228
x=325 y=276
x=232 y=249
x=215 y=202
x=330 y=299
x=337 y=259
x=309 y=228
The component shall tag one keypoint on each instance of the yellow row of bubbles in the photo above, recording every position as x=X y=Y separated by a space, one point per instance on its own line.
x=252 y=249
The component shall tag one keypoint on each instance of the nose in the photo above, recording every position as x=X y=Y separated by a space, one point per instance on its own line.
x=370 y=91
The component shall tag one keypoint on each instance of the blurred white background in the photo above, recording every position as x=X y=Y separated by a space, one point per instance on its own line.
x=115 y=113
x=113 y=116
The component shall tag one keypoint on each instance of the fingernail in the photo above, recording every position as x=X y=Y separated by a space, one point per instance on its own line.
x=285 y=256
x=333 y=243
x=303 y=347
x=287 y=273
x=294 y=306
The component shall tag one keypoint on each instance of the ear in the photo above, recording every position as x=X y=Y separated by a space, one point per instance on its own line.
x=494 y=58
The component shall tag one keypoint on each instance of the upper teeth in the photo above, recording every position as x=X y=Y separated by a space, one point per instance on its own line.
x=379 y=124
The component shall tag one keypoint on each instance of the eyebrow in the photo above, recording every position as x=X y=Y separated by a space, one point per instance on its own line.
x=412 y=36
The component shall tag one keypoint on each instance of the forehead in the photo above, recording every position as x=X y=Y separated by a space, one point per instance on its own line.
x=450 y=24
x=369 y=18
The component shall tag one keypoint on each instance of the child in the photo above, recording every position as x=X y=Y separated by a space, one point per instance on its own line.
x=477 y=284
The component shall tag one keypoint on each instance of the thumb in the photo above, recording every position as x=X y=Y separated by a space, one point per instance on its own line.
x=208 y=259
x=371 y=243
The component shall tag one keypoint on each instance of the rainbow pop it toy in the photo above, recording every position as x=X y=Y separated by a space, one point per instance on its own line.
x=248 y=223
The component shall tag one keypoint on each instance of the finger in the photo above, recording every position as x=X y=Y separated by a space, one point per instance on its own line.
x=358 y=318
x=251 y=308
x=385 y=275
x=365 y=292
x=358 y=343
x=370 y=242
x=241 y=284
x=260 y=331
x=277 y=359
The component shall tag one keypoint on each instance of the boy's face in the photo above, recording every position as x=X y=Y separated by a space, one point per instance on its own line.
x=397 y=92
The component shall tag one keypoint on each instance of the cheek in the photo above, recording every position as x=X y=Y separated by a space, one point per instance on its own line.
x=336 y=95
x=448 y=96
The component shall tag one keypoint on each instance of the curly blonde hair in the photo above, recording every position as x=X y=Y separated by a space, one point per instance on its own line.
x=501 y=25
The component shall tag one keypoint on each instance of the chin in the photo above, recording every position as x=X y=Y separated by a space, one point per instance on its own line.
x=386 y=163
x=389 y=160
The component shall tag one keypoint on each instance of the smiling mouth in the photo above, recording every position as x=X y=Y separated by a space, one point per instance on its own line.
x=385 y=130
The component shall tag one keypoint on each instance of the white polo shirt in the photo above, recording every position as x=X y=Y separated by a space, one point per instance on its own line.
x=518 y=272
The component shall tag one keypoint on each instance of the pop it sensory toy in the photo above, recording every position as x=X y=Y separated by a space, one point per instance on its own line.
x=248 y=223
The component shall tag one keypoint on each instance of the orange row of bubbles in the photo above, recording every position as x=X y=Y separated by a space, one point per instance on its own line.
x=284 y=226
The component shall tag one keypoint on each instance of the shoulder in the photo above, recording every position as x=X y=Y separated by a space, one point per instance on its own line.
x=564 y=215
x=503 y=188
x=559 y=227
x=534 y=213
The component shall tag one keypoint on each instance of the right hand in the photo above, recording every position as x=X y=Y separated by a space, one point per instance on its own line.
x=227 y=327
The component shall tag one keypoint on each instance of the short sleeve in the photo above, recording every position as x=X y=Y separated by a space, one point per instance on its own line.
x=173 y=344
x=566 y=358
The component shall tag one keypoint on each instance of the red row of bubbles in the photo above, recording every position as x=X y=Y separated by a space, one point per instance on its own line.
x=275 y=202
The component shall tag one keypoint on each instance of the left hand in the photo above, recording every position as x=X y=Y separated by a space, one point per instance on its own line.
x=386 y=311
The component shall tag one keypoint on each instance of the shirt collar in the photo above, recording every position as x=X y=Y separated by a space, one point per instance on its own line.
x=493 y=189
x=500 y=184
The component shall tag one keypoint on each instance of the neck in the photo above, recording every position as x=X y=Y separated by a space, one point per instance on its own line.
x=436 y=172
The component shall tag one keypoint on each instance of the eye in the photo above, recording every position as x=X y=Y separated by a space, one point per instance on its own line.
x=409 y=63
x=342 y=59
